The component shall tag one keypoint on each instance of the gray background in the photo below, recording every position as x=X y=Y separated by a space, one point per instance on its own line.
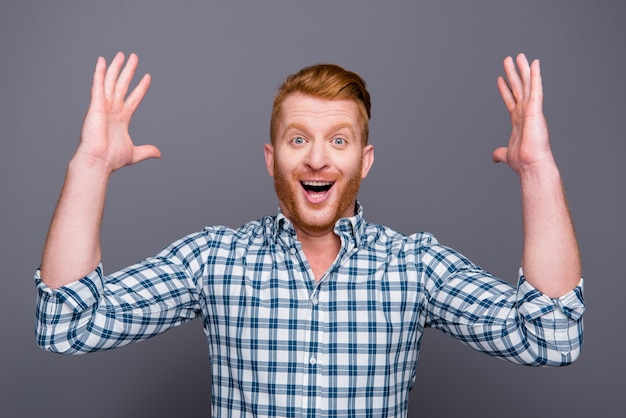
x=431 y=67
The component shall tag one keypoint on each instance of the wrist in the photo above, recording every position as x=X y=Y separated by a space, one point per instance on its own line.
x=88 y=165
x=540 y=174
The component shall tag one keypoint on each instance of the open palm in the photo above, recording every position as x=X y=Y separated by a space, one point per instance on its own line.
x=522 y=92
x=104 y=136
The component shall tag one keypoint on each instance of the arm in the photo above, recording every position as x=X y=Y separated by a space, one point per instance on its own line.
x=550 y=259
x=520 y=324
x=72 y=247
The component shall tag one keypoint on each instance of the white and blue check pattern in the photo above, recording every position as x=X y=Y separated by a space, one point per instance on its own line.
x=283 y=345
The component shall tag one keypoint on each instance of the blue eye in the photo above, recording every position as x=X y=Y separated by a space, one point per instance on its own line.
x=298 y=140
x=339 y=141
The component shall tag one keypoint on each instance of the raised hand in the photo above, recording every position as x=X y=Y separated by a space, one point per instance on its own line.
x=104 y=136
x=550 y=257
x=72 y=248
x=522 y=92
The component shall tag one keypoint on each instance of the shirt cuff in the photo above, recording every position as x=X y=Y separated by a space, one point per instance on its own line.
x=78 y=295
x=533 y=304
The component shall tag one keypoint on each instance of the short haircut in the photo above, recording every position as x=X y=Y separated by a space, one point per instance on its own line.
x=325 y=81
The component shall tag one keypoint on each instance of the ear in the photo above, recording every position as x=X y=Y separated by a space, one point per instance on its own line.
x=268 y=149
x=367 y=159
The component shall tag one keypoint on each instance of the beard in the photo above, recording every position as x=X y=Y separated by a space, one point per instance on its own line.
x=316 y=218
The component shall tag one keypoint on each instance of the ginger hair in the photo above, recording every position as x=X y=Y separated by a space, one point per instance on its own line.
x=325 y=81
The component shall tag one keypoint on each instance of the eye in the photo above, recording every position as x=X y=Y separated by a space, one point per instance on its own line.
x=298 y=140
x=339 y=141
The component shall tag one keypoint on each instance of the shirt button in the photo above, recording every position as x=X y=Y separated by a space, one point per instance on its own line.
x=314 y=301
x=293 y=251
x=313 y=361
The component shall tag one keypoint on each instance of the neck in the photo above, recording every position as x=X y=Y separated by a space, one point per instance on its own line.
x=320 y=251
x=322 y=243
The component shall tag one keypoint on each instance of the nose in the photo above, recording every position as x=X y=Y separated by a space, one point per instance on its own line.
x=317 y=157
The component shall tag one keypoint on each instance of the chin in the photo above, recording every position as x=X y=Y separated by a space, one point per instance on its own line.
x=320 y=220
x=315 y=218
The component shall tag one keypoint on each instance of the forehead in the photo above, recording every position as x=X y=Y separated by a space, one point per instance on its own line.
x=301 y=109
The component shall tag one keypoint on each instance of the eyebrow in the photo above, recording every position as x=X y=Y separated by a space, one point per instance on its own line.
x=300 y=127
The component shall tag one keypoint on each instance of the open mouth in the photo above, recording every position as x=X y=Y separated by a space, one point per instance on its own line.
x=317 y=187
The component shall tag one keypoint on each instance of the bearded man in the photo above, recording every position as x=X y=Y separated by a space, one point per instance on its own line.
x=313 y=311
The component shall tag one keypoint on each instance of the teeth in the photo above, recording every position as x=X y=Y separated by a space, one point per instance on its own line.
x=317 y=183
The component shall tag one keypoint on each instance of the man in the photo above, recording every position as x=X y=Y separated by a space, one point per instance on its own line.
x=314 y=311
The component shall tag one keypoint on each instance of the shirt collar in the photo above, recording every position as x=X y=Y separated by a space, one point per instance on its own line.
x=352 y=227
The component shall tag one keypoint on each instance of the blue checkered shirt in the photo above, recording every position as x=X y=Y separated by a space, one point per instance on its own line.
x=281 y=344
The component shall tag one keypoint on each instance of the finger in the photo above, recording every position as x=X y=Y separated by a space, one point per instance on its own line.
x=139 y=92
x=144 y=152
x=97 y=86
x=506 y=93
x=499 y=155
x=536 y=87
x=112 y=73
x=126 y=76
x=523 y=70
x=513 y=78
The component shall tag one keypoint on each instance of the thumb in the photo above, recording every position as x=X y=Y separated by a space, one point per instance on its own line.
x=144 y=152
x=499 y=155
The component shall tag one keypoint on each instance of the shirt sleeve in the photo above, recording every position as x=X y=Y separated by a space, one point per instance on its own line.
x=100 y=312
x=519 y=324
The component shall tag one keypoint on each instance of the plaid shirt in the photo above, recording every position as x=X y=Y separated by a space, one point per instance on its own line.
x=281 y=344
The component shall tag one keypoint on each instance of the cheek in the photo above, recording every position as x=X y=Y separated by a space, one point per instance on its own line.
x=353 y=167
x=281 y=169
x=284 y=161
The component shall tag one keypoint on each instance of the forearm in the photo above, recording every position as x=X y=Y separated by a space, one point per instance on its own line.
x=550 y=259
x=521 y=325
x=72 y=248
x=101 y=312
